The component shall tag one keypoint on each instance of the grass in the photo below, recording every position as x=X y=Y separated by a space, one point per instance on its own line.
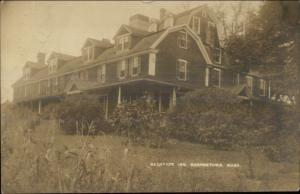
x=45 y=160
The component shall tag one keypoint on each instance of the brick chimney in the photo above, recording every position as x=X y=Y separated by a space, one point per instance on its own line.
x=139 y=21
x=41 y=58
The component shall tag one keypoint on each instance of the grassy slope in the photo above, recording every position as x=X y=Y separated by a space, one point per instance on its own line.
x=268 y=175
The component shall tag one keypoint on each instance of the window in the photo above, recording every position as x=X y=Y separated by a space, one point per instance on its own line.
x=249 y=84
x=27 y=72
x=262 y=87
x=217 y=54
x=216 y=77
x=196 y=24
x=203 y=14
x=83 y=75
x=52 y=67
x=182 y=40
x=153 y=27
x=122 y=69
x=136 y=67
x=181 y=69
x=168 y=22
x=101 y=73
x=89 y=53
x=210 y=32
x=123 y=43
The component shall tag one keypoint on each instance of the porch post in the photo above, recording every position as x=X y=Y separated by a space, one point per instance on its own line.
x=269 y=90
x=106 y=107
x=159 y=102
x=119 y=95
x=40 y=106
x=173 y=98
x=206 y=76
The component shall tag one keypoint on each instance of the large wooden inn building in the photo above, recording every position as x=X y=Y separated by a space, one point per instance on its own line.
x=159 y=59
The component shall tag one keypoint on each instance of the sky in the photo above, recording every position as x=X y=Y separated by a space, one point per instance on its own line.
x=29 y=27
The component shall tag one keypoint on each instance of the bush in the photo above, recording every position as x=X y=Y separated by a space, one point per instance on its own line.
x=80 y=114
x=140 y=122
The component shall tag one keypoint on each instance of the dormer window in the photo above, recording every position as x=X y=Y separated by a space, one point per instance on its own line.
x=88 y=53
x=123 y=43
x=169 y=21
x=153 y=27
x=217 y=55
x=27 y=72
x=52 y=66
x=182 y=39
x=196 y=24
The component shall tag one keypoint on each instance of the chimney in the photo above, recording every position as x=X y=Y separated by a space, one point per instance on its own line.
x=162 y=13
x=139 y=21
x=41 y=57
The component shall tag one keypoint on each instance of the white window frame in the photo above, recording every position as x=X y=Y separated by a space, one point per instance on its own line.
x=153 y=27
x=209 y=23
x=122 y=64
x=180 y=39
x=136 y=64
x=251 y=85
x=263 y=82
x=169 y=22
x=196 y=18
x=220 y=55
x=185 y=69
x=101 y=74
x=121 y=40
x=219 y=77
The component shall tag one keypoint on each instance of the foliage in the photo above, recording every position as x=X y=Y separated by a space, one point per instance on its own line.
x=140 y=122
x=80 y=114
x=216 y=117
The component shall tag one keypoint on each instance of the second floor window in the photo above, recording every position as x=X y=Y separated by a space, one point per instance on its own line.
x=122 y=69
x=196 y=24
x=262 y=87
x=181 y=69
x=101 y=73
x=136 y=66
x=210 y=33
x=182 y=40
x=217 y=55
x=83 y=75
x=123 y=43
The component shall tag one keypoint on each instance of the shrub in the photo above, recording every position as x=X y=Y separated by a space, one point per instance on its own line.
x=82 y=112
x=140 y=122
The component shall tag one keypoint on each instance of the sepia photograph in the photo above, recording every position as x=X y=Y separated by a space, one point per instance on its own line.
x=150 y=96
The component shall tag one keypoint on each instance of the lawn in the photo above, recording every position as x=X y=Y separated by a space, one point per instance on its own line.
x=132 y=168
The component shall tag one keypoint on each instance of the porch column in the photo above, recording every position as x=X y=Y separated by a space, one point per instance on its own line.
x=40 y=106
x=206 y=76
x=106 y=107
x=269 y=90
x=159 y=102
x=119 y=95
x=173 y=98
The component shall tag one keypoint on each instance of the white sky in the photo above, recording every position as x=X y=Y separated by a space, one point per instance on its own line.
x=35 y=26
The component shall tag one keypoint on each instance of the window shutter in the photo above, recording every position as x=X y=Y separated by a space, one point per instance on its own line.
x=177 y=69
x=188 y=64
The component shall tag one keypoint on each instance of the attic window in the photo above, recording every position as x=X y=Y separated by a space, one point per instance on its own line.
x=196 y=24
x=168 y=22
x=182 y=40
x=217 y=55
x=88 y=53
x=52 y=67
x=123 y=43
x=153 y=27
x=27 y=72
